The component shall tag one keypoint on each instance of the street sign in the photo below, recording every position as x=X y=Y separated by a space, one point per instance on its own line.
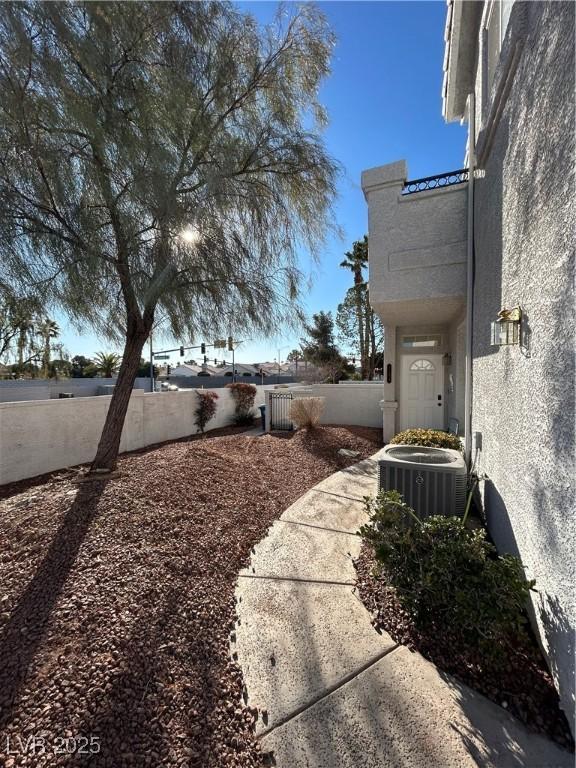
x=162 y=357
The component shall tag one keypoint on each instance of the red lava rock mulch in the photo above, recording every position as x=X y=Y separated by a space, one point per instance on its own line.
x=522 y=685
x=117 y=600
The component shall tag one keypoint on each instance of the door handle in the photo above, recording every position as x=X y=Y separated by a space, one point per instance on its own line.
x=439 y=397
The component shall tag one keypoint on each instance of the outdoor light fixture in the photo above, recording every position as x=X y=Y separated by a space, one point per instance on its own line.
x=506 y=329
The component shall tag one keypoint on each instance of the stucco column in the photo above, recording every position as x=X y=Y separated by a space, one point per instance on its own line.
x=389 y=404
x=382 y=187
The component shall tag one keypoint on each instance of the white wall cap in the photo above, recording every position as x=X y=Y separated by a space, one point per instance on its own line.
x=392 y=174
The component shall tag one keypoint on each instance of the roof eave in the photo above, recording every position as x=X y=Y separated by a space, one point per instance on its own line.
x=461 y=38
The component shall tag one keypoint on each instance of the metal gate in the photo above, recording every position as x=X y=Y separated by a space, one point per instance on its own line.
x=280 y=403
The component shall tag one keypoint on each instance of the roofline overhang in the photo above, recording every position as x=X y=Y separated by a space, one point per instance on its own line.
x=461 y=43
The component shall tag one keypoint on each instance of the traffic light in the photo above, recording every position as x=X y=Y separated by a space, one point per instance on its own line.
x=215 y=361
x=168 y=369
x=181 y=351
x=230 y=344
x=203 y=348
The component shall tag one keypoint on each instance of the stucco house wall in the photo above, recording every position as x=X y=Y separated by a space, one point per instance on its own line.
x=417 y=246
x=525 y=220
x=523 y=397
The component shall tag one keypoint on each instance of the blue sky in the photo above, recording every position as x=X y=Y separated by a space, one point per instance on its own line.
x=384 y=104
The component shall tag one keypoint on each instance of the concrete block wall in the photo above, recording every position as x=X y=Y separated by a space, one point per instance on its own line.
x=46 y=389
x=46 y=435
x=356 y=404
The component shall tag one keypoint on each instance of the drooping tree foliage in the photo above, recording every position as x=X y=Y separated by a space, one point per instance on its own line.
x=161 y=159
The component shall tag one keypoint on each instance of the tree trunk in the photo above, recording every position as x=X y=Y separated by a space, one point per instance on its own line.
x=46 y=358
x=21 y=342
x=372 y=342
x=358 y=283
x=109 y=444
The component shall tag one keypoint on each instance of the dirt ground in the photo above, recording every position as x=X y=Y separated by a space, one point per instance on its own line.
x=117 y=599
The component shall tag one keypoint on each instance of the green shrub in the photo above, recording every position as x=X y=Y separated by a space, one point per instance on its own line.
x=244 y=396
x=206 y=408
x=431 y=438
x=447 y=576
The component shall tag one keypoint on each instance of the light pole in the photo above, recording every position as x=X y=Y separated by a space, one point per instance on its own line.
x=281 y=349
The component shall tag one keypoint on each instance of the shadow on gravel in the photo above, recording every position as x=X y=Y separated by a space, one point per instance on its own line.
x=25 y=629
x=142 y=718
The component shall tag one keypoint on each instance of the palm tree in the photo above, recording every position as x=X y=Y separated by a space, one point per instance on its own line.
x=107 y=363
x=25 y=336
x=47 y=330
x=22 y=314
x=357 y=260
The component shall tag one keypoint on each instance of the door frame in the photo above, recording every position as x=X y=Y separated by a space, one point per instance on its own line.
x=406 y=360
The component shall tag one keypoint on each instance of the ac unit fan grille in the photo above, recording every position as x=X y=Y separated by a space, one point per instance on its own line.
x=428 y=493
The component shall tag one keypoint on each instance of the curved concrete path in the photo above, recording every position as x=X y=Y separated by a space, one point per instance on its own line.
x=330 y=690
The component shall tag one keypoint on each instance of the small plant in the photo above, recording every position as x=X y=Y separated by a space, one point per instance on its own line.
x=244 y=396
x=206 y=409
x=307 y=411
x=447 y=576
x=431 y=438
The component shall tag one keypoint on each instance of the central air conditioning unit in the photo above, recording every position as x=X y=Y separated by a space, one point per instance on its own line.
x=431 y=480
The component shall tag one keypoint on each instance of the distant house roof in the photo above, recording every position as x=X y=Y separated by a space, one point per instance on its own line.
x=241 y=370
x=185 y=369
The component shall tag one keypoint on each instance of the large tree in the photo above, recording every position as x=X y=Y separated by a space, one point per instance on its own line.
x=347 y=325
x=356 y=261
x=161 y=156
x=320 y=347
x=47 y=330
x=17 y=317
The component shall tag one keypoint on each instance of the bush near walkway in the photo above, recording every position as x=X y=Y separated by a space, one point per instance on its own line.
x=244 y=396
x=445 y=572
x=439 y=587
x=430 y=438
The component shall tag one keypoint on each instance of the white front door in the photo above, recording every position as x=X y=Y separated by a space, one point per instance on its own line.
x=422 y=392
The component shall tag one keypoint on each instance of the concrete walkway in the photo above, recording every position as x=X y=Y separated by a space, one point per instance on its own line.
x=331 y=691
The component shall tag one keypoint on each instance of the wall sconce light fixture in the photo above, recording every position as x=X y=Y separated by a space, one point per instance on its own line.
x=447 y=358
x=506 y=329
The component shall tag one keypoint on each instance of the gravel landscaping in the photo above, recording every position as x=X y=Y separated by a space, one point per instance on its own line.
x=522 y=684
x=117 y=599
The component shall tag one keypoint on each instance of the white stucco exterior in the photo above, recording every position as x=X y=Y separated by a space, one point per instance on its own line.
x=518 y=59
x=356 y=403
x=417 y=248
